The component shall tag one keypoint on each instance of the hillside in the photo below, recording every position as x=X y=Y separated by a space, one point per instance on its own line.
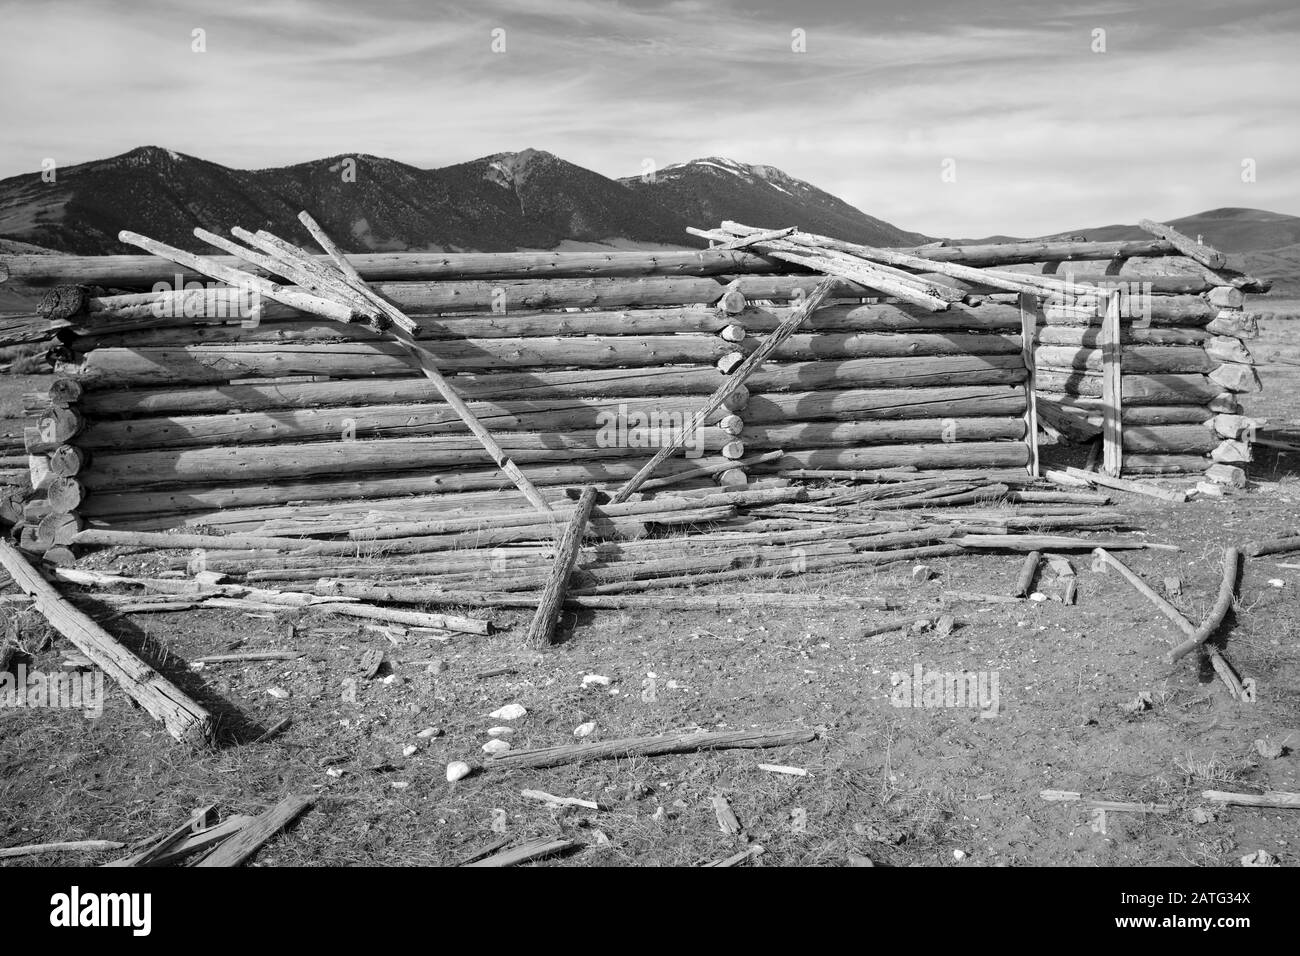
x=706 y=191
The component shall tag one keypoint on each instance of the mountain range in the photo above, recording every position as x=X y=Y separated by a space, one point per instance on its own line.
x=526 y=200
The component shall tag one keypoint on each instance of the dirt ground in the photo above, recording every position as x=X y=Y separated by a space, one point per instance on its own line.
x=935 y=786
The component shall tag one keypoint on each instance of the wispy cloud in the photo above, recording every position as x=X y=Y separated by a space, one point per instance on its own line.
x=1044 y=133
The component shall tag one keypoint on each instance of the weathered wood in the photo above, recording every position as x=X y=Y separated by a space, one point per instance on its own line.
x=651 y=746
x=1273 y=799
x=1040 y=542
x=936 y=371
x=244 y=495
x=956 y=455
x=1175 y=439
x=1137 y=359
x=1207 y=256
x=1274 y=546
x=387 y=421
x=1089 y=337
x=1171 y=389
x=542 y=628
x=1137 y=463
x=1222 y=605
x=883 y=403
x=827 y=434
x=428 y=366
x=134 y=271
x=1142 y=588
x=525 y=852
x=302 y=329
x=1123 y=484
x=184 y=719
x=1029 y=321
x=1011 y=253
x=79 y=846
x=715 y=401
x=886 y=280
x=250 y=837
x=657 y=504
x=1025 y=582
x=145 y=469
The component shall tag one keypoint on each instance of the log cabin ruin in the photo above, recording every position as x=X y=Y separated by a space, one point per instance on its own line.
x=601 y=429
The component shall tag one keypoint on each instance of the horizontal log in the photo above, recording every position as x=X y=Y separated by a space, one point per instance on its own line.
x=1011 y=253
x=214 y=497
x=889 y=317
x=393 y=421
x=1137 y=309
x=1129 y=335
x=1169 y=439
x=881 y=403
x=827 y=434
x=109 y=329
x=503 y=299
x=138 y=272
x=836 y=346
x=1173 y=389
x=1163 y=464
x=114 y=471
x=1136 y=359
x=959 y=455
x=884 y=373
x=208 y=364
x=307 y=330
x=673 y=380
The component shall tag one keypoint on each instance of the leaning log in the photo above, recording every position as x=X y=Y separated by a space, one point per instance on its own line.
x=542 y=628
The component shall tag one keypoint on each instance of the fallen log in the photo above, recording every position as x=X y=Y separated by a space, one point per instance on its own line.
x=1222 y=604
x=1273 y=799
x=1025 y=583
x=184 y=719
x=1123 y=484
x=651 y=746
x=37 y=849
x=1274 y=546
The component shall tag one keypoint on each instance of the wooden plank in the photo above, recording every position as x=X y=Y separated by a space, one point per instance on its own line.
x=249 y=839
x=1111 y=389
x=525 y=852
x=1030 y=309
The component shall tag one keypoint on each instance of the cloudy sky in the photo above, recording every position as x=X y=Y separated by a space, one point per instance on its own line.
x=1044 y=122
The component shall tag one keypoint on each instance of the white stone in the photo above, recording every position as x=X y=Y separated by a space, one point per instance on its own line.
x=509 y=712
x=456 y=770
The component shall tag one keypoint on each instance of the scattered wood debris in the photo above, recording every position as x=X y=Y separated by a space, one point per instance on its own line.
x=524 y=853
